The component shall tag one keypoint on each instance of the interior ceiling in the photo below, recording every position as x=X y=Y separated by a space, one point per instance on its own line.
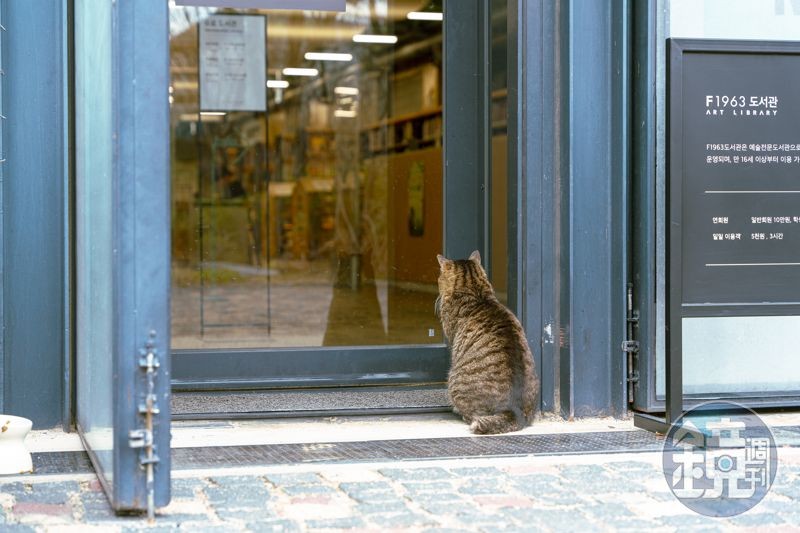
x=291 y=33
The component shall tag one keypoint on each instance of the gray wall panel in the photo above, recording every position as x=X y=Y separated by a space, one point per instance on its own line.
x=33 y=209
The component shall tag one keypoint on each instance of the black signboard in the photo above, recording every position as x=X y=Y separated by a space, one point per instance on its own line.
x=734 y=177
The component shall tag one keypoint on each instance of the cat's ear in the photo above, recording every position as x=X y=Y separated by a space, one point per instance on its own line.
x=442 y=260
x=475 y=256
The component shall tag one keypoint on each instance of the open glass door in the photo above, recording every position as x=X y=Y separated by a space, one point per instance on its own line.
x=320 y=161
x=122 y=247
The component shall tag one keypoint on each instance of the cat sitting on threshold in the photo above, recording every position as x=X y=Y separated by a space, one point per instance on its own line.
x=491 y=382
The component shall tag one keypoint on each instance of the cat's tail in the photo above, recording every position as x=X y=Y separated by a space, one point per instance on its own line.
x=496 y=423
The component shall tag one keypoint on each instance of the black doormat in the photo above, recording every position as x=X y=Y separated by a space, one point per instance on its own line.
x=395 y=450
x=309 y=402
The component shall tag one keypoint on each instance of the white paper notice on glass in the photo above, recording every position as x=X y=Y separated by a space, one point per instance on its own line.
x=233 y=63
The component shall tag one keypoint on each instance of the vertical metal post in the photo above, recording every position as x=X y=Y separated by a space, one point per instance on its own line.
x=2 y=202
x=465 y=135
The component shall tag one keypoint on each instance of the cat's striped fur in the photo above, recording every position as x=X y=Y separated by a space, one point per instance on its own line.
x=491 y=382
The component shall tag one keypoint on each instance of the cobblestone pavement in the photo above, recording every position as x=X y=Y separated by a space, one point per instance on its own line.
x=621 y=492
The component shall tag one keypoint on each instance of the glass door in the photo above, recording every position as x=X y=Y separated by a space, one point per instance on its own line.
x=309 y=191
x=122 y=247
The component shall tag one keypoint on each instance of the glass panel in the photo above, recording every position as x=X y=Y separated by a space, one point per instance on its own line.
x=741 y=354
x=719 y=352
x=315 y=222
x=499 y=185
x=93 y=159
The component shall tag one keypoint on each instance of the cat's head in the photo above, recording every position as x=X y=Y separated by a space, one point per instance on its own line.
x=463 y=276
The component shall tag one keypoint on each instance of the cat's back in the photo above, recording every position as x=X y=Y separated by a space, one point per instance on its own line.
x=489 y=329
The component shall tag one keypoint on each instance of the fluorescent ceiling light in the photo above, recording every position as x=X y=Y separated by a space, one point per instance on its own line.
x=424 y=15
x=213 y=113
x=277 y=84
x=327 y=56
x=300 y=72
x=349 y=91
x=375 y=39
x=344 y=113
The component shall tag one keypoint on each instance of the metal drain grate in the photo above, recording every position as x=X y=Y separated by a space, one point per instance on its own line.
x=388 y=450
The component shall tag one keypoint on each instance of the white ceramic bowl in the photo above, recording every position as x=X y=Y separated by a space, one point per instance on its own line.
x=14 y=456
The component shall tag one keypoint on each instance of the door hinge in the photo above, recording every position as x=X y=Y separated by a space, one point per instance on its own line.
x=142 y=438
x=630 y=346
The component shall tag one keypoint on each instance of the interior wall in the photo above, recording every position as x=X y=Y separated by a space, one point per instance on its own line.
x=415 y=256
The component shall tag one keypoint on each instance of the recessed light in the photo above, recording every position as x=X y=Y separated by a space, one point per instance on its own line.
x=300 y=72
x=328 y=56
x=349 y=91
x=424 y=15
x=375 y=39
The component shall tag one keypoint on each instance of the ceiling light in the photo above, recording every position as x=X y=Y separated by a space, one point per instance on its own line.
x=344 y=113
x=277 y=84
x=424 y=15
x=375 y=39
x=300 y=72
x=213 y=113
x=327 y=56
x=349 y=91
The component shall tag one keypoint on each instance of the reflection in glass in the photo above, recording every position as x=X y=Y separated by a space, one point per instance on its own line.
x=315 y=222
x=499 y=180
x=93 y=221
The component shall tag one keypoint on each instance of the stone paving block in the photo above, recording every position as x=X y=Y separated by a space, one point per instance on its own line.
x=483 y=486
x=753 y=519
x=416 y=474
x=376 y=496
x=209 y=528
x=151 y=529
x=634 y=466
x=273 y=526
x=397 y=506
x=186 y=488
x=237 y=497
x=419 y=488
x=300 y=478
x=21 y=509
x=553 y=520
x=402 y=520
x=248 y=514
x=96 y=507
x=582 y=471
x=52 y=493
x=351 y=522
x=536 y=483
x=607 y=511
x=449 y=508
x=359 y=486
x=637 y=525
x=18 y=528
x=695 y=522
x=790 y=490
x=482 y=471
x=436 y=497
x=298 y=490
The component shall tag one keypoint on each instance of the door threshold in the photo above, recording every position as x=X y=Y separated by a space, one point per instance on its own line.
x=295 y=403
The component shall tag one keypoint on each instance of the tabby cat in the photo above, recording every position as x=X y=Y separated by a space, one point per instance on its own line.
x=491 y=382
